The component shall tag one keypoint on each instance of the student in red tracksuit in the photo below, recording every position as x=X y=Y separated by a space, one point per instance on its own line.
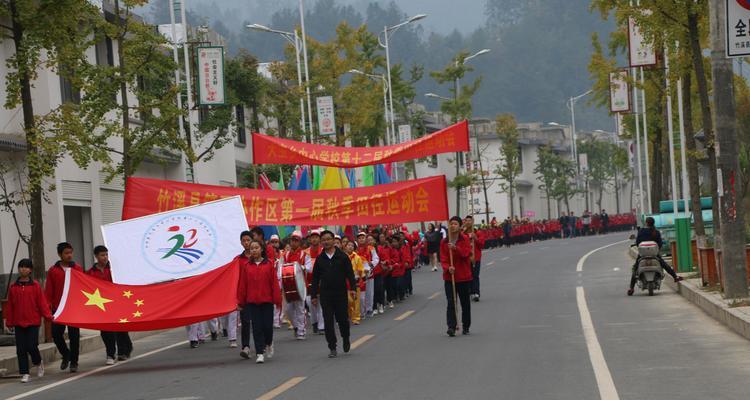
x=257 y=292
x=455 y=252
x=398 y=262
x=23 y=312
x=478 y=238
x=407 y=255
x=53 y=290
x=116 y=344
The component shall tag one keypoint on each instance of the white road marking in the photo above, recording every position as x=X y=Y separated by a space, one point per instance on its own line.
x=282 y=388
x=579 y=267
x=616 y=269
x=361 y=341
x=523 y=252
x=505 y=259
x=434 y=296
x=93 y=371
x=607 y=390
x=490 y=263
x=544 y=248
x=404 y=315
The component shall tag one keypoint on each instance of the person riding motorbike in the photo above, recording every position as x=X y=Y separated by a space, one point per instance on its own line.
x=650 y=234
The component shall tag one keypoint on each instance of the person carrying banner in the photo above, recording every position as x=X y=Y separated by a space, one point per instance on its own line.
x=477 y=239
x=116 y=344
x=295 y=310
x=53 y=290
x=331 y=272
x=23 y=311
x=316 y=312
x=455 y=253
x=258 y=290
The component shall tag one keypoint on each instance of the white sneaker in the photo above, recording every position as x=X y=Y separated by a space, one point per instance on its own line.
x=381 y=309
x=390 y=305
x=110 y=361
x=245 y=353
x=232 y=343
x=434 y=269
x=269 y=351
x=260 y=359
x=40 y=369
x=25 y=378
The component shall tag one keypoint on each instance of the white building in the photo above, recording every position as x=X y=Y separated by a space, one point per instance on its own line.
x=82 y=200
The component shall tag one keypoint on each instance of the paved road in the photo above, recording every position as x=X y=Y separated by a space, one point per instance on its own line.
x=527 y=342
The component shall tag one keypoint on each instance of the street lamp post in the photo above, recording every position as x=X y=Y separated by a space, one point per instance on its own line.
x=292 y=38
x=572 y=105
x=387 y=31
x=385 y=97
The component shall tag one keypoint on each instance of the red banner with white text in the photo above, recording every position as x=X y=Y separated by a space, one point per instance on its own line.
x=273 y=150
x=394 y=203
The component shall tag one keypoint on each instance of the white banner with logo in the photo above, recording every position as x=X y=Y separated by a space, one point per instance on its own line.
x=211 y=75
x=619 y=92
x=175 y=244
x=326 y=115
x=641 y=52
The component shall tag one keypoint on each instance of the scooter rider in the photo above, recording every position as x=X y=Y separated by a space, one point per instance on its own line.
x=650 y=234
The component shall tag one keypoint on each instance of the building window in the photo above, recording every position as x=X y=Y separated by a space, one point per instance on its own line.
x=520 y=159
x=203 y=114
x=104 y=52
x=433 y=161
x=240 y=114
x=521 y=208
x=70 y=94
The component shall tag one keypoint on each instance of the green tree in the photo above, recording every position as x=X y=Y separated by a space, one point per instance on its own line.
x=565 y=188
x=547 y=172
x=46 y=35
x=510 y=153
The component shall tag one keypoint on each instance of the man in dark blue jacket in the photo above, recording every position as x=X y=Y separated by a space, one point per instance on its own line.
x=650 y=234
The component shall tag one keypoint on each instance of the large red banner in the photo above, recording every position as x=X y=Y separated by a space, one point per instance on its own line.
x=394 y=203
x=272 y=150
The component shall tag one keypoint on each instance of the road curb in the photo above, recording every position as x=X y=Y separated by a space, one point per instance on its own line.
x=712 y=303
x=49 y=352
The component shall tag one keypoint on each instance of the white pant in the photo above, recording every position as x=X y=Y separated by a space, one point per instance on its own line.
x=362 y=301
x=295 y=311
x=229 y=322
x=316 y=314
x=278 y=315
x=370 y=295
x=213 y=326
x=193 y=331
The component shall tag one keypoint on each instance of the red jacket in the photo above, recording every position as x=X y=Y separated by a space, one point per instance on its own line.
x=460 y=256
x=26 y=305
x=384 y=252
x=479 y=240
x=407 y=257
x=53 y=287
x=258 y=283
x=396 y=259
x=101 y=273
x=271 y=253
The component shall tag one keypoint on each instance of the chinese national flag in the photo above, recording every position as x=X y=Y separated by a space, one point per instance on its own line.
x=92 y=303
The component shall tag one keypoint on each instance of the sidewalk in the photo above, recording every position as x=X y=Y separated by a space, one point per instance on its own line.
x=90 y=341
x=712 y=303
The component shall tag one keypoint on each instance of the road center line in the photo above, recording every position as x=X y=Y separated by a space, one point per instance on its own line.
x=404 y=315
x=434 y=296
x=490 y=263
x=282 y=388
x=361 y=341
x=579 y=267
x=606 y=385
x=93 y=371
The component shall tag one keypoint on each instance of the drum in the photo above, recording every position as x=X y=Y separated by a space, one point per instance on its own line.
x=293 y=282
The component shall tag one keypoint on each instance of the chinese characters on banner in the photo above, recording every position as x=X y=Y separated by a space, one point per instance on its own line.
x=640 y=51
x=619 y=92
x=394 y=203
x=738 y=28
x=326 y=116
x=211 y=75
x=271 y=150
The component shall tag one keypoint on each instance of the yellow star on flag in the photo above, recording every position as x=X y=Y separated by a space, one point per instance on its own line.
x=137 y=314
x=96 y=299
x=123 y=320
x=127 y=294
x=138 y=303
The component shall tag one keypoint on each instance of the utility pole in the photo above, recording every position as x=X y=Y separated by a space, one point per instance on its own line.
x=732 y=213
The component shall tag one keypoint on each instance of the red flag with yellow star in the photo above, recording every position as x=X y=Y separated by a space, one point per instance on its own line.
x=92 y=303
